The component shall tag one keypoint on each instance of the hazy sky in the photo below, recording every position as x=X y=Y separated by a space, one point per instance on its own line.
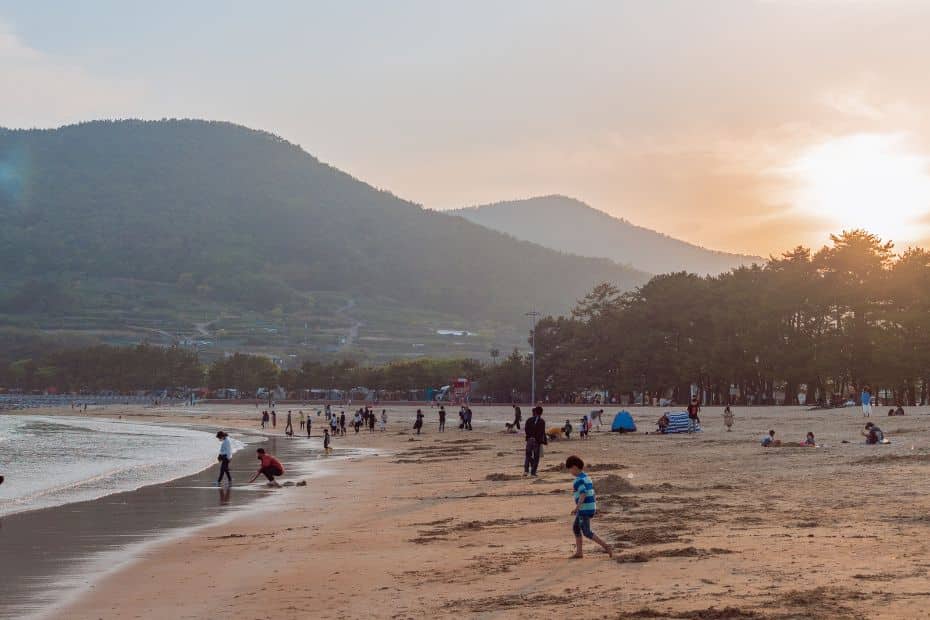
x=746 y=126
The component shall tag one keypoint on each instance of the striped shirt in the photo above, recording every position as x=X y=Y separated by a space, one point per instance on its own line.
x=584 y=485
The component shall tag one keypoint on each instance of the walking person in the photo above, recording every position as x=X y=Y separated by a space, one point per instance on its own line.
x=442 y=419
x=289 y=425
x=418 y=425
x=468 y=415
x=274 y=419
x=224 y=456
x=270 y=467
x=265 y=418
x=309 y=424
x=866 y=401
x=535 y=430
x=342 y=423
x=517 y=416
x=300 y=418
x=383 y=420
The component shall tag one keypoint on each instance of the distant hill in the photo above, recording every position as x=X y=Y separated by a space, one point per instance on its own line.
x=106 y=219
x=569 y=225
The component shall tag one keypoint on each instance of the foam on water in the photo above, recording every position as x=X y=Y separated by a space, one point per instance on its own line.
x=50 y=461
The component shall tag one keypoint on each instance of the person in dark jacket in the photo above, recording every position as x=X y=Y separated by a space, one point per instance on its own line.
x=517 y=416
x=535 y=429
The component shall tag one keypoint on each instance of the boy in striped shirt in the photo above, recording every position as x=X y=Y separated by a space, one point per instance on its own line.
x=585 y=506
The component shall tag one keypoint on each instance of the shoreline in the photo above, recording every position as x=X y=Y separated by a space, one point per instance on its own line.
x=91 y=538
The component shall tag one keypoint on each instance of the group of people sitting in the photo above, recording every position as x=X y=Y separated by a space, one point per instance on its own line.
x=873 y=435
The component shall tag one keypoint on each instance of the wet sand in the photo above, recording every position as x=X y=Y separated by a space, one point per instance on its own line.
x=705 y=526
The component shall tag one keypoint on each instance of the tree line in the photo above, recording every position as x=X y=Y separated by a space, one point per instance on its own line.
x=830 y=322
x=824 y=323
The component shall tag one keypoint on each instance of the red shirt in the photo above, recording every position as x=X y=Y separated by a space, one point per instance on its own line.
x=270 y=461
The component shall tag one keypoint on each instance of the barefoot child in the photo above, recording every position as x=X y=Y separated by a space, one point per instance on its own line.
x=326 y=440
x=728 y=418
x=585 y=506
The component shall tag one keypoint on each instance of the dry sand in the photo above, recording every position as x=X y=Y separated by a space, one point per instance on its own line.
x=704 y=526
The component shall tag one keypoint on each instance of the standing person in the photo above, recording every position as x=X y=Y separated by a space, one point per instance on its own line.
x=866 y=400
x=442 y=418
x=693 y=419
x=342 y=423
x=326 y=439
x=371 y=421
x=567 y=429
x=224 y=457
x=728 y=418
x=468 y=415
x=264 y=419
x=270 y=467
x=517 y=416
x=289 y=425
x=462 y=417
x=383 y=420
x=419 y=422
x=274 y=419
x=309 y=424
x=357 y=421
x=300 y=418
x=585 y=507
x=535 y=430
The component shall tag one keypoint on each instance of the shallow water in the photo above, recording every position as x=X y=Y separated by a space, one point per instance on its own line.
x=52 y=461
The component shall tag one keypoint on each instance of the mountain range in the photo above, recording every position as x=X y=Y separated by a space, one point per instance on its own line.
x=184 y=227
x=571 y=226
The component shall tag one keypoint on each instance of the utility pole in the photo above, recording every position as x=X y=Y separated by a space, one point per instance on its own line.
x=533 y=314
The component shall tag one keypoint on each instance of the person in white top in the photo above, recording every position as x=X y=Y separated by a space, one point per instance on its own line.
x=224 y=457
x=383 y=419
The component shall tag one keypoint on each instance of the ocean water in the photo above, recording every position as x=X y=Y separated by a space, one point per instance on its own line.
x=51 y=461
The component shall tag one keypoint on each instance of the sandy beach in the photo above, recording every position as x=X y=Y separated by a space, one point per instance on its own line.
x=444 y=524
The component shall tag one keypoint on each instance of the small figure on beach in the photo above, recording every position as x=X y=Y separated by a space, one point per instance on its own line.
x=371 y=421
x=342 y=422
x=300 y=419
x=274 y=419
x=442 y=418
x=873 y=435
x=865 y=400
x=809 y=441
x=468 y=415
x=663 y=423
x=535 y=430
x=383 y=420
x=270 y=467
x=289 y=425
x=517 y=416
x=265 y=418
x=326 y=439
x=224 y=457
x=693 y=419
x=728 y=418
x=567 y=429
x=309 y=425
x=769 y=441
x=595 y=418
x=418 y=424
x=585 y=507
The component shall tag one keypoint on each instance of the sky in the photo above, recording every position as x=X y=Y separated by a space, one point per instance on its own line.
x=747 y=126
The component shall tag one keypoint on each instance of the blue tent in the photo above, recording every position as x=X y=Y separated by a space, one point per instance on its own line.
x=623 y=423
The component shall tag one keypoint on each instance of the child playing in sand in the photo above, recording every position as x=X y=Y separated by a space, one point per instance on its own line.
x=873 y=435
x=326 y=448
x=567 y=429
x=809 y=441
x=769 y=441
x=583 y=429
x=728 y=418
x=585 y=506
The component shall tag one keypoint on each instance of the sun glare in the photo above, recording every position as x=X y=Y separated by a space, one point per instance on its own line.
x=870 y=181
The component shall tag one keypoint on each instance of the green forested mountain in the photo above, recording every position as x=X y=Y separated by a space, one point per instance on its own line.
x=190 y=212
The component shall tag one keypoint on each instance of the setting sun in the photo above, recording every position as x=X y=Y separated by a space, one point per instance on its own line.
x=869 y=181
